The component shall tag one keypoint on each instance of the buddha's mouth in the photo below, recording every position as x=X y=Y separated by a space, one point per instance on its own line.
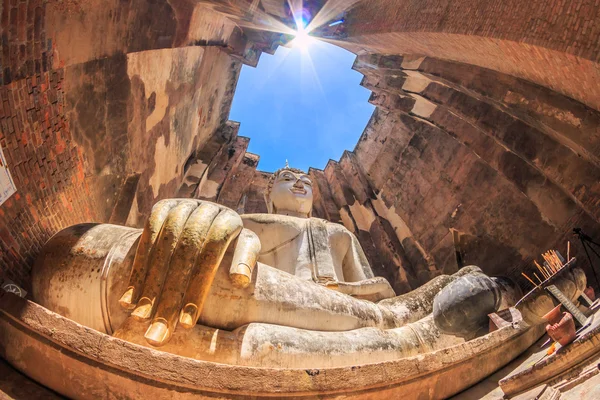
x=297 y=190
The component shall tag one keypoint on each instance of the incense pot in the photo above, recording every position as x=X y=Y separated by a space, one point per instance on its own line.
x=589 y=292
x=553 y=316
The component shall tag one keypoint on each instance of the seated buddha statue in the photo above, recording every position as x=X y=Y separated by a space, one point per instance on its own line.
x=252 y=281
x=185 y=242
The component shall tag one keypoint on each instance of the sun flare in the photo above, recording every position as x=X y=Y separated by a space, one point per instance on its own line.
x=302 y=40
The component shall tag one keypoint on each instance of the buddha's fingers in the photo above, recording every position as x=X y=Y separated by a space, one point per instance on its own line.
x=160 y=256
x=159 y=214
x=224 y=229
x=181 y=267
x=244 y=258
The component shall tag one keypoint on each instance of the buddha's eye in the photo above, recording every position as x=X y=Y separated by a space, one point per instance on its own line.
x=287 y=177
x=306 y=181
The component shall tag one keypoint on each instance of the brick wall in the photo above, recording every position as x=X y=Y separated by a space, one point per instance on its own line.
x=47 y=168
x=92 y=131
x=552 y=43
x=89 y=125
x=457 y=157
x=46 y=165
x=567 y=26
x=25 y=50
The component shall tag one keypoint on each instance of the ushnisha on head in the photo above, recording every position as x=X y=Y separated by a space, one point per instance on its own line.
x=289 y=192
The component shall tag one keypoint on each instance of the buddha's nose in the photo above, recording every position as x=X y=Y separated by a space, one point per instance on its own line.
x=299 y=184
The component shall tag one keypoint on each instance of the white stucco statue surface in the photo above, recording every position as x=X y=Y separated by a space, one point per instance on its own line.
x=281 y=289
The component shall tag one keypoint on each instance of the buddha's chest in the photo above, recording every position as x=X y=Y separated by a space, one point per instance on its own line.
x=306 y=248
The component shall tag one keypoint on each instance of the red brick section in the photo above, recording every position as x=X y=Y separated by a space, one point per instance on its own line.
x=46 y=165
x=73 y=136
x=25 y=51
x=47 y=168
x=546 y=42
x=567 y=26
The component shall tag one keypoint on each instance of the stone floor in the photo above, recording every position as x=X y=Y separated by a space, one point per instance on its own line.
x=582 y=383
x=590 y=389
x=488 y=389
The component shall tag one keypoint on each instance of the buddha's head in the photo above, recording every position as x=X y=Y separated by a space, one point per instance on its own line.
x=289 y=192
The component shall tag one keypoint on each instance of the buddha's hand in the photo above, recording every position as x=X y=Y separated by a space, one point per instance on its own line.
x=180 y=249
x=373 y=289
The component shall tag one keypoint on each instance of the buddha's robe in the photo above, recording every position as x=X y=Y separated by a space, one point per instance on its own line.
x=298 y=257
x=309 y=248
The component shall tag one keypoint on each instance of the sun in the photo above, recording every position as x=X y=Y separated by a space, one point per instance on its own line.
x=302 y=40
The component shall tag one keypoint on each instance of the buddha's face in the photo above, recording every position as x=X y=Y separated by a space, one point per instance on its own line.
x=292 y=192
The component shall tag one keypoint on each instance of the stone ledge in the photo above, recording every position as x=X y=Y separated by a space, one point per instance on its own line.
x=76 y=360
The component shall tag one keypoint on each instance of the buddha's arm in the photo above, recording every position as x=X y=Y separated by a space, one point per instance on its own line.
x=356 y=266
x=358 y=275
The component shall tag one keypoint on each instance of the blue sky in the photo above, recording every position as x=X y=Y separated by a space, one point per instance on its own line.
x=289 y=113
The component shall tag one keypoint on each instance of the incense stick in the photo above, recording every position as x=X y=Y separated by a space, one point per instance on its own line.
x=529 y=279
x=541 y=270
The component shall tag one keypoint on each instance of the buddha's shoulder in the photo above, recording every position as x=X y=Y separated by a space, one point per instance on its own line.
x=334 y=229
x=338 y=230
x=333 y=226
x=271 y=220
x=276 y=219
